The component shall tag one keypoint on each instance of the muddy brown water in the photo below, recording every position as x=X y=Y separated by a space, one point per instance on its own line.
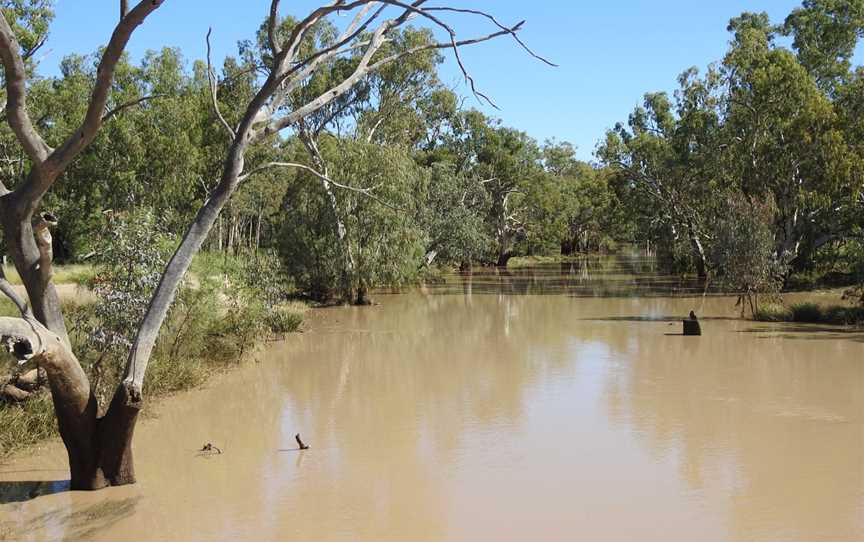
x=554 y=403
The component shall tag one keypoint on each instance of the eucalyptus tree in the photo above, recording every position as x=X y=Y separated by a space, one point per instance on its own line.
x=664 y=160
x=452 y=213
x=99 y=449
x=825 y=34
x=98 y=453
x=377 y=205
x=582 y=205
x=784 y=138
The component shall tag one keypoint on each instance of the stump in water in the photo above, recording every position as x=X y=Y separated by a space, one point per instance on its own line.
x=692 y=327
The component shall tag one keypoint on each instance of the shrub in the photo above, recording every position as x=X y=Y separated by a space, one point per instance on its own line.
x=807 y=313
x=772 y=312
x=840 y=315
x=285 y=318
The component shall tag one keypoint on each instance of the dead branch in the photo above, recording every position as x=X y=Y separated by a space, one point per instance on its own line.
x=16 y=96
x=271 y=27
x=499 y=25
x=129 y=104
x=367 y=192
x=214 y=90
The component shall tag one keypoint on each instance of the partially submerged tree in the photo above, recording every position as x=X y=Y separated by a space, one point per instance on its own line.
x=99 y=449
x=742 y=251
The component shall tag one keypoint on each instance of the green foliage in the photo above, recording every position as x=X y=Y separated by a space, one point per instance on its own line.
x=772 y=312
x=284 y=319
x=768 y=123
x=262 y=276
x=452 y=214
x=29 y=20
x=811 y=313
x=378 y=242
x=742 y=249
x=131 y=258
x=825 y=33
x=806 y=312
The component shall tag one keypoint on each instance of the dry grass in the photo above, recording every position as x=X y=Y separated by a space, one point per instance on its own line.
x=63 y=274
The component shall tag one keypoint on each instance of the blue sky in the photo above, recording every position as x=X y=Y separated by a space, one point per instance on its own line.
x=610 y=53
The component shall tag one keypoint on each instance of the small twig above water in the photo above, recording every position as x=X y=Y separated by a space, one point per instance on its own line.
x=209 y=449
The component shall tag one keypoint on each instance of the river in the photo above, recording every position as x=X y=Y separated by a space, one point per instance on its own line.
x=551 y=403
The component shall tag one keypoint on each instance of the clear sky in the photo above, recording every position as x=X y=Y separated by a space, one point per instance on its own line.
x=610 y=52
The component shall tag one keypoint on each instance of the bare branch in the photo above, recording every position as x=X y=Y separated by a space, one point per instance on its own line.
x=23 y=337
x=351 y=29
x=300 y=29
x=367 y=192
x=365 y=67
x=335 y=92
x=132 y=103
x=499 y=25
x=16 y=89
x=32 y=190
x=454 y=44
x=10 y=292
x=290 y=80
x=33 y=50
x=214 y=90
x=271 y=27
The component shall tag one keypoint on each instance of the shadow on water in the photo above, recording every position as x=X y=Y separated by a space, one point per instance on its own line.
x=78 y=524
x=20 y=491
x=670 y=319
x=808 y=332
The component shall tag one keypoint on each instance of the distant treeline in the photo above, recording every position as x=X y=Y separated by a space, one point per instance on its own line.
x=751 y=171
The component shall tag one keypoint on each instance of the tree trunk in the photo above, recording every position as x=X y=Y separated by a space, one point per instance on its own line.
x=503 y=258
x=258 y=232
x=232 y=228
x=698 y=253
x=33 y=261
x=99 y=450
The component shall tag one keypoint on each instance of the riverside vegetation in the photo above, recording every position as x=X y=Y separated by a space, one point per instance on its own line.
x=362 y=170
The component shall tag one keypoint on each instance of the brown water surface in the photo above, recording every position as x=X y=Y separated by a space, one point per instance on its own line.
x=555 y=403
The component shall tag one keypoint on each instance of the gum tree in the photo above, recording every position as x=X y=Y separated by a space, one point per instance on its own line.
x=99 y=449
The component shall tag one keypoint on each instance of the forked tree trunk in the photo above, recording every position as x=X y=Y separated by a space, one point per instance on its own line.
x=32 y=257
x=99 y=449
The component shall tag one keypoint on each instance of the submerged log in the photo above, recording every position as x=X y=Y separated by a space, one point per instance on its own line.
x=692 y=327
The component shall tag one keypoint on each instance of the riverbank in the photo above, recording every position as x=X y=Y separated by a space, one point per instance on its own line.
x=811 y=313
x=209 y=332
x=811 y=298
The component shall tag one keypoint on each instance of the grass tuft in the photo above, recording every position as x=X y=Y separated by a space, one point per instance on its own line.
x=811 y=313
x=773 y=312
